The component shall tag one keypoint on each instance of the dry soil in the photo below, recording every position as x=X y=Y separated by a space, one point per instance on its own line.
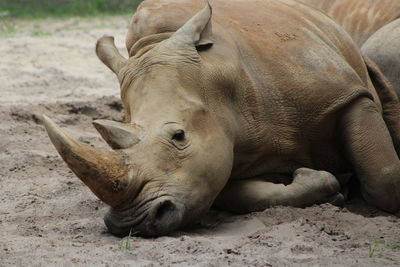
x=49 y=218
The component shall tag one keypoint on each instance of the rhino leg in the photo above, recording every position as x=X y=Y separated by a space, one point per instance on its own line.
x=390 y=101
x=371 y=151
x=308 y=187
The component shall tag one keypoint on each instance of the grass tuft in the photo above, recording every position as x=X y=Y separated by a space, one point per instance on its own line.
x=372 y=248
x=65 y=8
x=379 y=248
x=126 y=242
x=7 y=26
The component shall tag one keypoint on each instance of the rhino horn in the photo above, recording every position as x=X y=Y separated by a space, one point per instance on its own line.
x=198 y=30
x=118 y=135
x=104 y=172
x=108 y=53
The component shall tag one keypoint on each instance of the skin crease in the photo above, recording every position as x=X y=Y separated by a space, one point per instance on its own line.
x=261 y=99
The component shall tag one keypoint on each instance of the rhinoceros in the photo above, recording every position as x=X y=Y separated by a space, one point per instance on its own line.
x=374 y=25
x=264 y=103
x=360 y=18
x=383 y=47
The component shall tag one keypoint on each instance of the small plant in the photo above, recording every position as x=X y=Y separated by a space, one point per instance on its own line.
x=372 y=248
x=7 y=25
x=393 y=246
x=41 y=33
x=126 y=242
x=372 y=251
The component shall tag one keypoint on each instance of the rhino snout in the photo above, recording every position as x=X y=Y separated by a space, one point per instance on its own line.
x=162 y=217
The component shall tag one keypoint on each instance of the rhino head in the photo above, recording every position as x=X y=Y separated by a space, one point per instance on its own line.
x=171 y=157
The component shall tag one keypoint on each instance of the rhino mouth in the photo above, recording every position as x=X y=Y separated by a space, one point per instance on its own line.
x=154 y=218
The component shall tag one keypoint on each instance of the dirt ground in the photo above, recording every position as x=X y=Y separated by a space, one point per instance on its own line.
x=49 y=218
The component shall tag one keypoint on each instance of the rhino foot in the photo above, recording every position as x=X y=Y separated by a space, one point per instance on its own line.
x=315 y=187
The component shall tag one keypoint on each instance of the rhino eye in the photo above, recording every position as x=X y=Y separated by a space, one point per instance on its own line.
x=179 y=135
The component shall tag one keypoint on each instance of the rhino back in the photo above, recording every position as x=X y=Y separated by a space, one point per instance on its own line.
x=284 y=42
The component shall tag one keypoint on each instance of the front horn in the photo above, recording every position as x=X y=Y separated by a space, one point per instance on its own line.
x=109 y=54
x=104 y=172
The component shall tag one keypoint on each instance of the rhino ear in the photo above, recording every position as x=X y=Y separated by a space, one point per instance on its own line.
x=118 y=135
x=108 y=53
x=198 y=30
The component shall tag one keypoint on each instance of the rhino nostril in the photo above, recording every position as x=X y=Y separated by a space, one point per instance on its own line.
x=164 y=209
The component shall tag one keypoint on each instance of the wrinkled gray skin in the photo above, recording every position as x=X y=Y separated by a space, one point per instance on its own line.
x=243 y=112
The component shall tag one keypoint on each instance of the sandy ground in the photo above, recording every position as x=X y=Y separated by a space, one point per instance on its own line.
x=49 y=218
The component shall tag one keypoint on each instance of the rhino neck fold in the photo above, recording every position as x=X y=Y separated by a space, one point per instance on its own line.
x=146 y=43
